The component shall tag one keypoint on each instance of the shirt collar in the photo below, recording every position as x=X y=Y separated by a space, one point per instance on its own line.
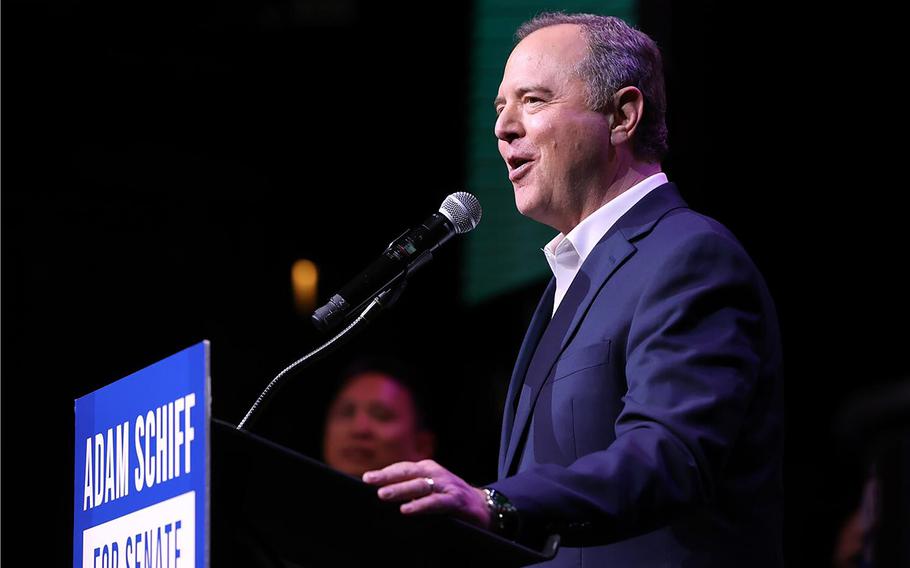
x=584 y=237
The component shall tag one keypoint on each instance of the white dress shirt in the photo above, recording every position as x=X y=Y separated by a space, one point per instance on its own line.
x=566 y=253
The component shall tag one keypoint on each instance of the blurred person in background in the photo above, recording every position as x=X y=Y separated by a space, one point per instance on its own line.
x=376 y=419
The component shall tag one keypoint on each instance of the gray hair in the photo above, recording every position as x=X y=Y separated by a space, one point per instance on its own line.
x=618 y=56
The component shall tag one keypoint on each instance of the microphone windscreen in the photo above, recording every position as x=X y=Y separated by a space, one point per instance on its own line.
x=463 y=210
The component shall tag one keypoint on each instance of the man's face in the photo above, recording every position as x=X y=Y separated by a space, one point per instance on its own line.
x=371 y=424
x=556 y=149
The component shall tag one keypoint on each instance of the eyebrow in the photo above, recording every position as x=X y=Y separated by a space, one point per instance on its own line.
x=523 y=91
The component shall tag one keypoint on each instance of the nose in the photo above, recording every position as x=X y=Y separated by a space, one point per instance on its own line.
x=361 y=424
x=508 y=125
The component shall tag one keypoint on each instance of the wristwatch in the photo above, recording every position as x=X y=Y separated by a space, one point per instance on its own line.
x=504 y=518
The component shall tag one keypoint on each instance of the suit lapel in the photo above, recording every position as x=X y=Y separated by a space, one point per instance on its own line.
x=535 y=330
x=608 y=255
x=602 y=262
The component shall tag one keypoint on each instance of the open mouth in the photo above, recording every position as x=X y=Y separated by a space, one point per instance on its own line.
x=518 y=167
x=358 y=454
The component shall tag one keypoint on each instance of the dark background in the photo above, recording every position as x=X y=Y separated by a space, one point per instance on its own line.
x=164 y=164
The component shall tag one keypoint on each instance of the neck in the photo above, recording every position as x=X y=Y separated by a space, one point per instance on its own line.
x=625 y=179
x=634 y=174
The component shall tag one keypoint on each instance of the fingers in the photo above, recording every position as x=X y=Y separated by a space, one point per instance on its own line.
x=435 y=503
x=427 y=487
x=406 y=490
x=401 y=471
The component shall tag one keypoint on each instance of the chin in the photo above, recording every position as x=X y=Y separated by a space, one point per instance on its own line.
x=531 y=203
x=532 y=211
x=525 y=204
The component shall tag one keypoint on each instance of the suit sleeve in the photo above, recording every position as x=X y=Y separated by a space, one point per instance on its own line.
x=692 y=362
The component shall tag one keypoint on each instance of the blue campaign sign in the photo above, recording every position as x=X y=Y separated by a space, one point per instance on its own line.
x=142 y=468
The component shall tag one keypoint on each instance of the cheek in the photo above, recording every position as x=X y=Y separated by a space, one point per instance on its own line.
x=330 y=441
x=550 y=143
x=334 y=430
x=393 y=437
x=503 y=148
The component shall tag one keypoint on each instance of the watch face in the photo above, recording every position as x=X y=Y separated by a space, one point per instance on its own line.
x=504 y=515
x=497 y=498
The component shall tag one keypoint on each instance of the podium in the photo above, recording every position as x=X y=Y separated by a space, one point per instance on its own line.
x=161 y=483
x=272 y=506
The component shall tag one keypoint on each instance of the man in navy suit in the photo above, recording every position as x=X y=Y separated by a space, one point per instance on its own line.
x=644 y=417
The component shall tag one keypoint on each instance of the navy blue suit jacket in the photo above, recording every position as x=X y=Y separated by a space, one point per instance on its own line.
x=644 y=421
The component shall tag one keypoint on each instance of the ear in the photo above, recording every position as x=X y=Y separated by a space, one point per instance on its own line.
x=628 y=109
x=426 y=444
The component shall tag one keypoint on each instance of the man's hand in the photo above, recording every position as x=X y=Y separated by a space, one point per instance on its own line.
x=427 y=487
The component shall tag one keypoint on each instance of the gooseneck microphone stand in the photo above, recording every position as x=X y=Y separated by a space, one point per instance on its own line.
x=384 y=300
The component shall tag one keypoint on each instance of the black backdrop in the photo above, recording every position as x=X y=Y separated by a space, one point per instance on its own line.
x=164 y=164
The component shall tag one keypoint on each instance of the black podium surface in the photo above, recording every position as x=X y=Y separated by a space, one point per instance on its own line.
x=271 y=506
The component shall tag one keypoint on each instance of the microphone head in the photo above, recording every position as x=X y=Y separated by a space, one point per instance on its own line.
x=463 y=210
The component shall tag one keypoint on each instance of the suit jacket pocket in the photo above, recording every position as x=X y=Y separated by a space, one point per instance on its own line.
x=576 y=359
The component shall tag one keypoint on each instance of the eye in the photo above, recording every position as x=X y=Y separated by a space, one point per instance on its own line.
x=382 y=413
x=342 y=411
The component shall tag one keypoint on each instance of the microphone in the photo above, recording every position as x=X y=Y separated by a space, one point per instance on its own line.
x=459 y=213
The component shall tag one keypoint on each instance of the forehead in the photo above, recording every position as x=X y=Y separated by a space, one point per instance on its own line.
x=551 y=52
x=378 y=387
